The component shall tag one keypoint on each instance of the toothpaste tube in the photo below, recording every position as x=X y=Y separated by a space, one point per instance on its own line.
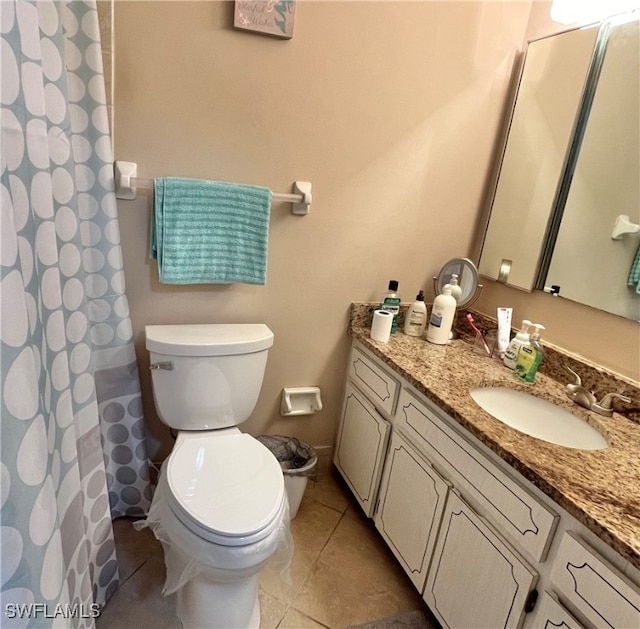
x=504 y=330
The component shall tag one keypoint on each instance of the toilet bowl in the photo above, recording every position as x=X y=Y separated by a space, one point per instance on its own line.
x=220 y=508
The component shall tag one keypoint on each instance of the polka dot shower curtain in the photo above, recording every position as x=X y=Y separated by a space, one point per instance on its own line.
x=72 y=444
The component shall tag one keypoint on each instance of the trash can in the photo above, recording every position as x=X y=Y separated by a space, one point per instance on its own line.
x=298 y=461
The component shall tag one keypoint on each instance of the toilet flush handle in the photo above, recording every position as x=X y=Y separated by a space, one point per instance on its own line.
x=167 y=366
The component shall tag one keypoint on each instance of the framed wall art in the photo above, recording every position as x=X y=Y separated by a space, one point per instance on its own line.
x=269 y=17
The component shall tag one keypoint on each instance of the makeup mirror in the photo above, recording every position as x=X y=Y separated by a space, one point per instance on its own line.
x=467 y=274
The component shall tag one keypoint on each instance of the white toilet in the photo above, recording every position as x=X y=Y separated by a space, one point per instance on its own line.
x=220 y=508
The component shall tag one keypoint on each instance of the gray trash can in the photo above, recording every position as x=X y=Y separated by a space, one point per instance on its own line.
x=298 y=461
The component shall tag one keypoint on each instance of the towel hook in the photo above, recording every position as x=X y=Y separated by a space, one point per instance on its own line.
x=623 y=226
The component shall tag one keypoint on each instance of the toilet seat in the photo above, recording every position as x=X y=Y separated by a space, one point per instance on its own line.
x=226 y=487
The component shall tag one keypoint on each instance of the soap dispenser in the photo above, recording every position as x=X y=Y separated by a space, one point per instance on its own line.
x=530 y=356
x=510 y=357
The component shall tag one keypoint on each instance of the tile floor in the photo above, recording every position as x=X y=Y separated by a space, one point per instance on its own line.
x=342 y=573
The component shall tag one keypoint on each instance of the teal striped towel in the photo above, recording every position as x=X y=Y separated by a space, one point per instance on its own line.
x=210 y=232
x=634 y=273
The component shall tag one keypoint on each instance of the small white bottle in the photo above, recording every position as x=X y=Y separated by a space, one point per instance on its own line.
x=416 y=318
x=441 y=320
x=510 y=358
x=456 y=290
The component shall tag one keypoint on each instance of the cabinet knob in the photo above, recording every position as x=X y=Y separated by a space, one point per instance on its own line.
x=531 y=601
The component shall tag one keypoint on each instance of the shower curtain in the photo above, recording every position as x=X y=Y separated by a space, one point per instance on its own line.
x=73 y=452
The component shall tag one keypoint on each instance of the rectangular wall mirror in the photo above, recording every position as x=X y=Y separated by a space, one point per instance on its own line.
x=570 y=168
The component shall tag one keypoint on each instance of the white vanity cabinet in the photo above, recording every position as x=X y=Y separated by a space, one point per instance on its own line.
x=411 y=503
x=371 y=394
x=483 y=545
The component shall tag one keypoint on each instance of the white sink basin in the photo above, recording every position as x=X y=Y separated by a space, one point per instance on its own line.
x=538 y=418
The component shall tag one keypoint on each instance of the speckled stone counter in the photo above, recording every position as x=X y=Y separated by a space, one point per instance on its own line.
x=600 y=488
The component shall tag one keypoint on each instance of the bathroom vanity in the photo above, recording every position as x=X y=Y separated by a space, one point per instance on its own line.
x=493 y=527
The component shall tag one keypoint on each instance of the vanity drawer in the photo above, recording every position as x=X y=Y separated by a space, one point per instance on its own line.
x=380 y=387
x=596 y=590
x=497 y=496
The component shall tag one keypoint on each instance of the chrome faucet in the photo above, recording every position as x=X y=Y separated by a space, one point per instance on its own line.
x=580 y=395
x=605 y=406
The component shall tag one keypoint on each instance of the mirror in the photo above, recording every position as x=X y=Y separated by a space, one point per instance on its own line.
x=538 y=140
x=467 y=279
x=569 y=168
x=605 y=185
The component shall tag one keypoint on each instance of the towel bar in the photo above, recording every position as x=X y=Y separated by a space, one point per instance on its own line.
x=127 y=183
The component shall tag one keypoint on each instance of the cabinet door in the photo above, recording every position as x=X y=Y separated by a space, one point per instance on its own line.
x=476 y=579
x=410 y=507
x=361 y=446
x=550 y=614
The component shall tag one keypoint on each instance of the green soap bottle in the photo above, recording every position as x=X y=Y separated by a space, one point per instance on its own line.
x=530 y=356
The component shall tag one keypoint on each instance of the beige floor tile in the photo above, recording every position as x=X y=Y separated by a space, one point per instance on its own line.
x=329 y=491
x=355 y=579
x=297 y=620
x=272 y=610
x=311 y=530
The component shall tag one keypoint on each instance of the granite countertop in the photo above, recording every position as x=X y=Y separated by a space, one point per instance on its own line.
x=600 y=488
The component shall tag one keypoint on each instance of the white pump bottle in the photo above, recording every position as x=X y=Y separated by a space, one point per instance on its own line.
x=510 y=357
x=442 y=314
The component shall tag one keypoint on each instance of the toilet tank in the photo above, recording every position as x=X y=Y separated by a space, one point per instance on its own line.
x=207 y=376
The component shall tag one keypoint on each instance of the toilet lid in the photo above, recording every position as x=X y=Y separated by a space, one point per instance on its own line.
x=228 y=489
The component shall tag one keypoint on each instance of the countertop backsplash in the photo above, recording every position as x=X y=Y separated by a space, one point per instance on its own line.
x=556 y=360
